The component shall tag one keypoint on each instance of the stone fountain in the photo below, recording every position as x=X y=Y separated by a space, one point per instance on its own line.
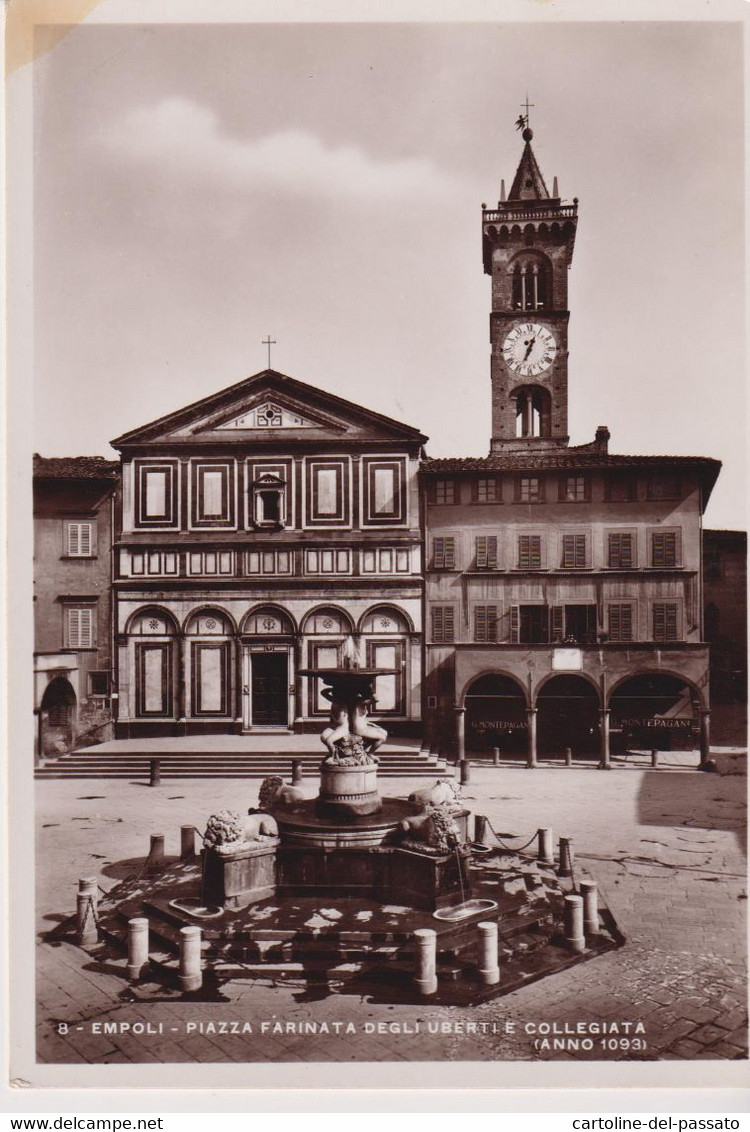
x=308 y=883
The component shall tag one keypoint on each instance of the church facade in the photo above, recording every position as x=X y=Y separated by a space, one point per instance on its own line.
x=259 y=528
x=564 y=593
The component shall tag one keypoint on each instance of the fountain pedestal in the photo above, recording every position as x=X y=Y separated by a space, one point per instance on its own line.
x=241 y=877
x=348 y=791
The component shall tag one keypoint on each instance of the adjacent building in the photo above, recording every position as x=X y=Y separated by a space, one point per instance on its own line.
x=73 y=505
x=259 y=528
x=725 y=627
x=563 y=584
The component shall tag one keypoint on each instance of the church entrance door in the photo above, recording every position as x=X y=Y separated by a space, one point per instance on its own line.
x=270 y=689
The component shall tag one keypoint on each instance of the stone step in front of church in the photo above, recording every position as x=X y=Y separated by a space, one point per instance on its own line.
x=214 y=764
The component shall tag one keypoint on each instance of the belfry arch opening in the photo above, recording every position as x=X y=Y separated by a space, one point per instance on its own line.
x=533 y=411
x=531 y=282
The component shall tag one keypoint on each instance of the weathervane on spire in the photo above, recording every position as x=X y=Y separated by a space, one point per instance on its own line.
x=523 y=119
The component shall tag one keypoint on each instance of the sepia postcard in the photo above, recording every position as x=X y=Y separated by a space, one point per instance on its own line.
x=377 y=645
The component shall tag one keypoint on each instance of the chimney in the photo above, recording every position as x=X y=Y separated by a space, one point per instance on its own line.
x=601 y=440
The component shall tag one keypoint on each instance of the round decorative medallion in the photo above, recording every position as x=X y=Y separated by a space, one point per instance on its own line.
x=210 y=623
x=153 y=623
x=385 y=623
x=268 y=623
x=327 y=623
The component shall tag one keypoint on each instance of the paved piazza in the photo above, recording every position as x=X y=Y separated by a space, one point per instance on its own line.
x=666 y=846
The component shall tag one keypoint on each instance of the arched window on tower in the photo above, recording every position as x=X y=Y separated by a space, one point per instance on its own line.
x=533 y=412
x=531 y=288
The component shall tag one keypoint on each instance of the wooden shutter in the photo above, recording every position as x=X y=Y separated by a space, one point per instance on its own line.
x=621 y=550
x=492 y=552
x=515 y=624
x=485 y=623
x=665 y=621
x=574 y=552
x=443 y=624
x=450 y=553
x=438 y=553
x=557 y=628
x=626 y=622
x=482 y=552
x=80 y=628
x=664 y=548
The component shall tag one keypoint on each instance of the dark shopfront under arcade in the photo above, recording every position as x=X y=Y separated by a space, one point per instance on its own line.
x=654 y=711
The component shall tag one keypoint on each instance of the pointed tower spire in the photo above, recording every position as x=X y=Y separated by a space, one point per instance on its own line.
x=528 y=183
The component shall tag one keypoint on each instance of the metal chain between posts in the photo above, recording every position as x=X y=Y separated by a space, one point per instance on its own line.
x=510 y=848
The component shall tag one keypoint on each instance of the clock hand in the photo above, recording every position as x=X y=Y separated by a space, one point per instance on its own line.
x=528 y=348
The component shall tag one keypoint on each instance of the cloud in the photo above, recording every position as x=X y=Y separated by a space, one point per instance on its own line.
x=186 y=140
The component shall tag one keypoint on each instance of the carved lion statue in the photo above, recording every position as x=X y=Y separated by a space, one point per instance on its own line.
x=274 y=792
x=445 y=792
x=433 y=831
x=226 y=831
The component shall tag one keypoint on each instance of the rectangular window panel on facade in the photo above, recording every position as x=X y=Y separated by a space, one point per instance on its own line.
x=487 y=491
x=443 y=624
x=326 y=483
x=663 y=487
x=211 y=504
x=529 y=624
x=80 y=540
x=664 y=548
x=485 y=623
x=444 y=553
x=574 y=489
x=98 y=684
x=486 y=552
x=80 y=627
x=529 y=552
x=665 y=621
x=384 y=492
x=620 y=621
x=445 y=491
x=529 y=489
x=573 y=552
x=155 y=495
x=620 y=551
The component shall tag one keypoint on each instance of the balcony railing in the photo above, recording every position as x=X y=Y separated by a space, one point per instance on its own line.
x=509 y=213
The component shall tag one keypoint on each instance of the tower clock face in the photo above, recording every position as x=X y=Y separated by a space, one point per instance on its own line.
x=529 y=349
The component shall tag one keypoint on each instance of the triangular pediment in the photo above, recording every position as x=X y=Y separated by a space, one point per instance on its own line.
x=270 y=407
x=268 y=414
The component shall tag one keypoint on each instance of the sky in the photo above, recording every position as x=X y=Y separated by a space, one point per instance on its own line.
x=197 y=188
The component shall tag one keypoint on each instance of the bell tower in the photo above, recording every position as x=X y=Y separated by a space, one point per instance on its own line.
x=527 y=244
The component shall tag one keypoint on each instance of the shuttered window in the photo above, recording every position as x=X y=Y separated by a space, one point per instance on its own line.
x=557 y=622
x=620 y=551
x=529 y=552
x=443 y=624
x=80 y=540
x=665 y=621
x=664 y=548
x=620 y=622
x=444 y=553
x=573 y=552
x=79 y=623
x=486 y=552
x=485 y=623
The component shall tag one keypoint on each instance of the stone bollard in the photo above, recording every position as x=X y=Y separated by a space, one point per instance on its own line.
x=155 y=767
x=155 y=859
x=568 y=756
x=654 y=759
x=590 y=895
x=137 y=947
x=191 y=975
x=574 y=936
x=463 y=770
x=87 y=904
x=489 y=968
x=480 y=830
x=545 y=855
x=296 y=772
x=565 y=868
x=496 y=756
x=187 y=842
x=425 y=973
